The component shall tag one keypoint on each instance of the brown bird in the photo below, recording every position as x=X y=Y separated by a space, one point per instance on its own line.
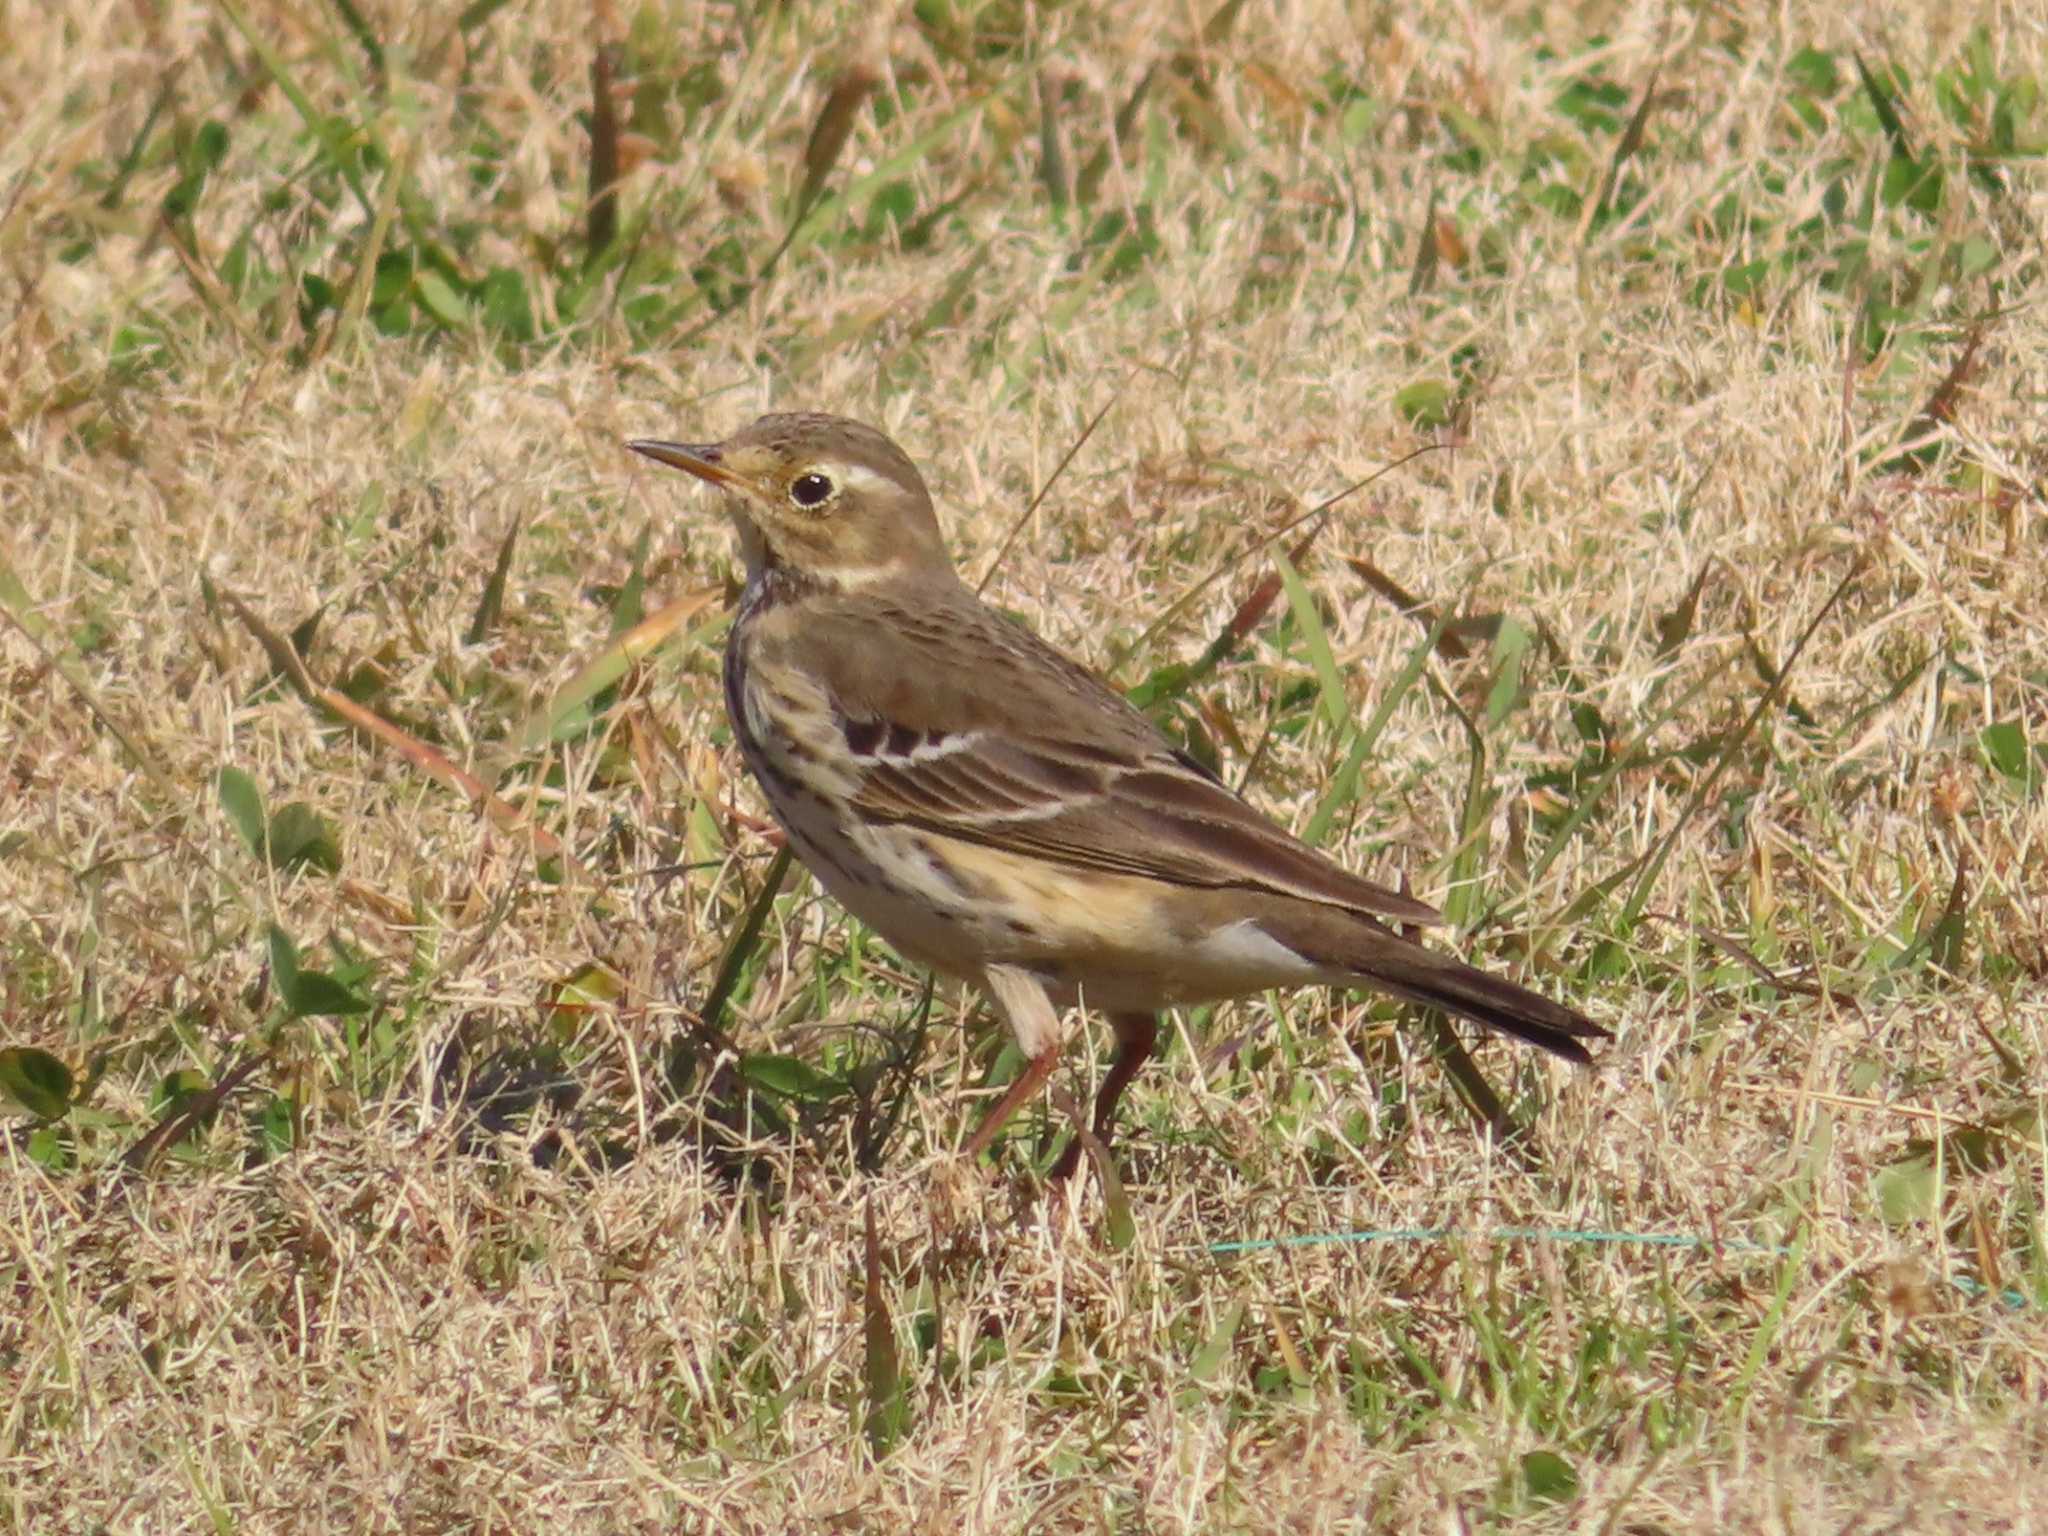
x=995 y=810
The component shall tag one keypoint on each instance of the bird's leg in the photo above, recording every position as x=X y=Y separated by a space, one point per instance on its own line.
x=1022 y=1091
x=1020 y=998
x=1136 y=1035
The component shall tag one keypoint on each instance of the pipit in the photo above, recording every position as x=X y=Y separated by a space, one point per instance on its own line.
x=996 y=811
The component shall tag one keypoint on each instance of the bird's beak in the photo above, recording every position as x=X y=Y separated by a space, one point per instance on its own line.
x=704 y=460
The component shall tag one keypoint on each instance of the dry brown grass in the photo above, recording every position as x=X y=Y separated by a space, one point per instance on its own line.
x=390 y=1327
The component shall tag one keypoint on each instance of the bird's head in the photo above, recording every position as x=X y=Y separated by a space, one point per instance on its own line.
x=822 y=498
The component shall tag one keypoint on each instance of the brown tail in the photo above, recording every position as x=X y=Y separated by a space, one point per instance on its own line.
x=1423 y=976
x=1375 y=956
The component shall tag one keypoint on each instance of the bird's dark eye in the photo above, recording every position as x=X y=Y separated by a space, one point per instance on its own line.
x=810 y=489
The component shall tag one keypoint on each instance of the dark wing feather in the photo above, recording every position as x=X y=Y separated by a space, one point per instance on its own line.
x=936 y=714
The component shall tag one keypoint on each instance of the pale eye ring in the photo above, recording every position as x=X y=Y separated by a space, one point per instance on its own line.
x=811 y=490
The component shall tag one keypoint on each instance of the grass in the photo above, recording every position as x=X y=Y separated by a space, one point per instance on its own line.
x=433 y=1108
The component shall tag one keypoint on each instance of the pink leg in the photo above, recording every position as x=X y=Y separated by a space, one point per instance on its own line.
x=1136 y=1035
x=1024 y=1089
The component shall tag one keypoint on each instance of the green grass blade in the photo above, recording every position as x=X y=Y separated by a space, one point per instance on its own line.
x=1315 y=638
x=1343 y=788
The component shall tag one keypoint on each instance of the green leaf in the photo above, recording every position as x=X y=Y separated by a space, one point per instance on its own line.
x=787 y=1076
x=1549 y=1477
x=1357 y=121
x=1118 y=1225
x=208 y=148
x=284 y=961
x=507 y=307
x=391 y=280
x=316 y=296
x=1905 y=1191
x=321 y=995
x=243 y=802
x=308 y=994
x=1976 y=255
x=1510 y=645
x=895 y=203
x=1425 y=404
x=135 y=350
x=437 y=296
x=1909 y=181
x=1815 y=70
x=50 y=1149
x=629 y=604
x=36 y=1080
x=1597 y=105
x=298 y=835
x=174 y=1088
x=1210 y=1357
x=279 y=1124
x=888 y=1406
x=196 y=161
x=1161 y=685
x=2006 y=749
x=1946 y=939
x=566 y=1002
x=1740 y=281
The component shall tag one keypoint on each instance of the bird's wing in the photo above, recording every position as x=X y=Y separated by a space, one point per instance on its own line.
x=967 y=725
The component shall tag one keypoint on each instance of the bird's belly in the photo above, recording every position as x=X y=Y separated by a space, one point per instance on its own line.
x=883 y=875
x=888 y=878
